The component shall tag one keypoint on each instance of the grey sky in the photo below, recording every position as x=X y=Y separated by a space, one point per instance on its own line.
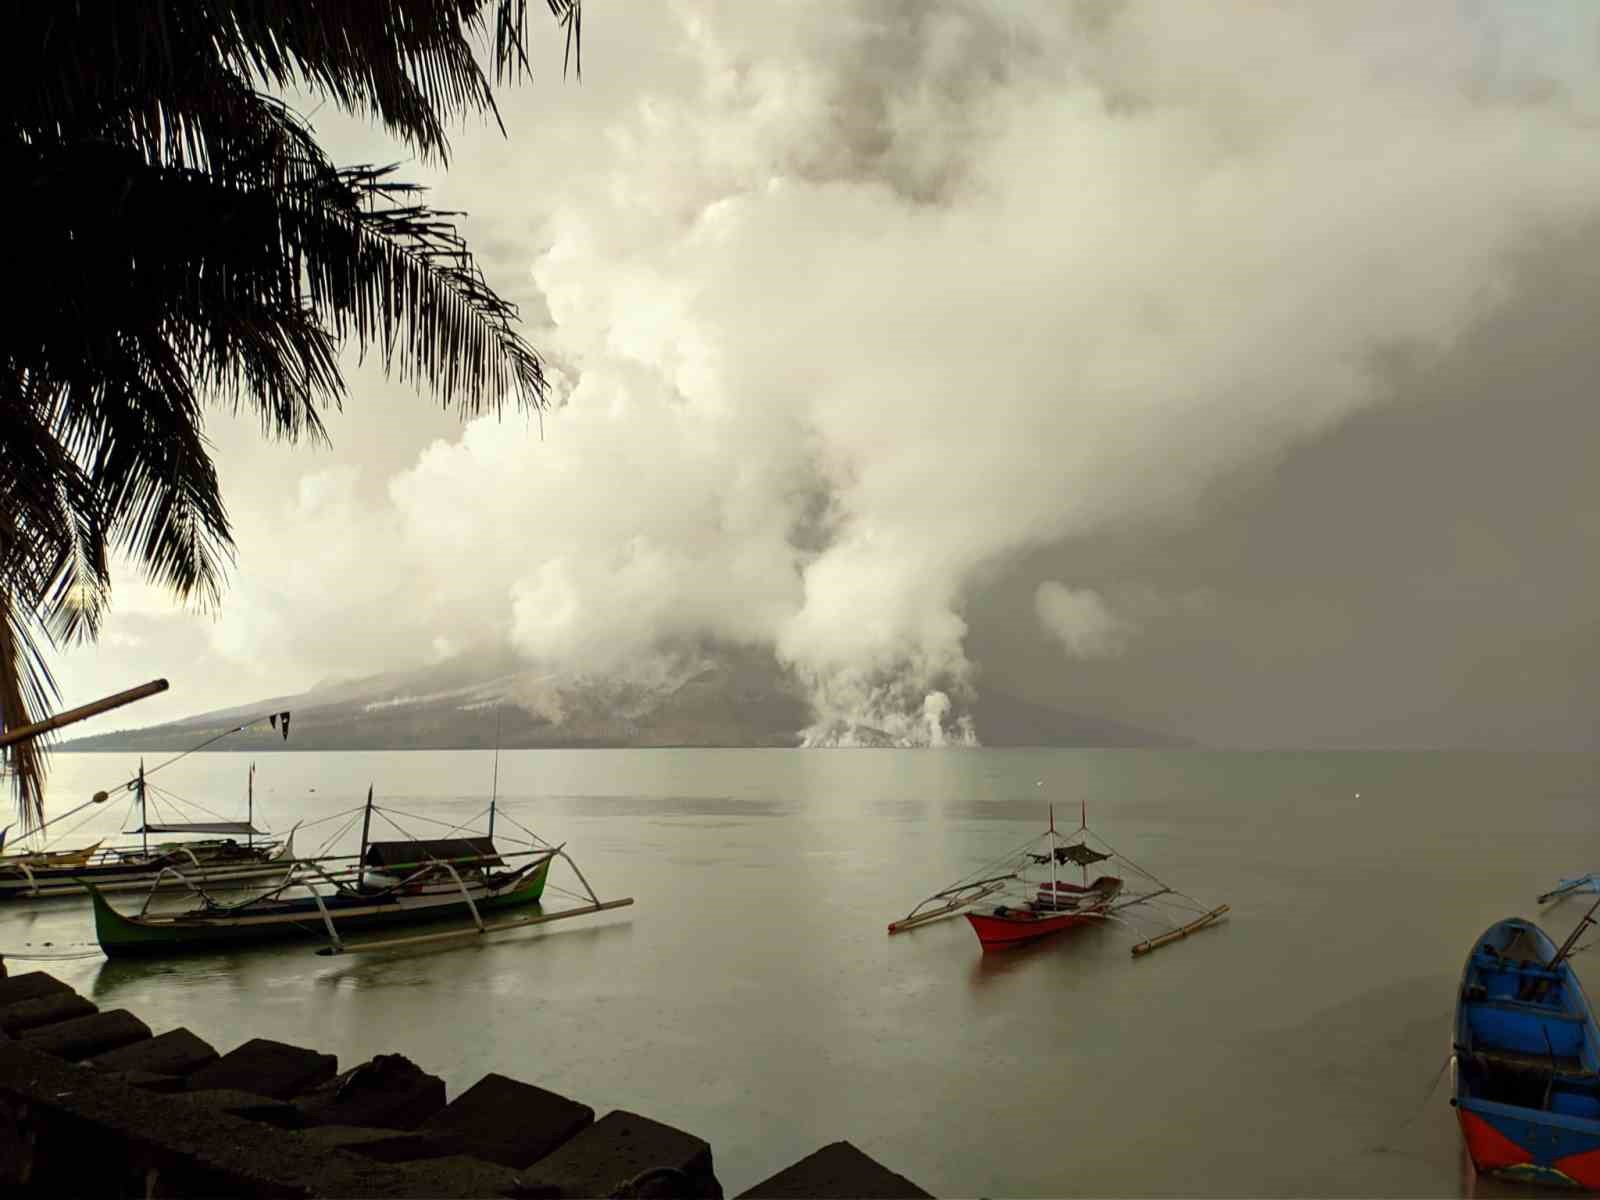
x=1220 y=367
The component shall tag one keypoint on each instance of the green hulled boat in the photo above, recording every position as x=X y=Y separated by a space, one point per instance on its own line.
x=400 y=884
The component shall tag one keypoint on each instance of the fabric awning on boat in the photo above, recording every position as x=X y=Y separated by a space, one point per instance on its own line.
x=1080 y=854
x=203 y=827
x=391 y=854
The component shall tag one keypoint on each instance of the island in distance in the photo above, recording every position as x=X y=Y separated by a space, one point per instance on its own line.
x=721 y=698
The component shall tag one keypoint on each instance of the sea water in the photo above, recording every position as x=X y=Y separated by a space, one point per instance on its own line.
x=752 y=996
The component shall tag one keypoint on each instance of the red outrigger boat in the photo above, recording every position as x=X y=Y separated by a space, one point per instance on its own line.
x=1027 y=906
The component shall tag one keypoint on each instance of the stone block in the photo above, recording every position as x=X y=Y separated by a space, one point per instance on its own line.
x=267 y=1068
x=504 y=1121
x=50 y=1009
x=247 y=1105
x=388 y=1092
x=453 y=1178
x=84 y=1036
x=151 y=1081
x=625 y=1152
x=176 y=1052
x=838 y=1171
x=30 y=985
x=380 y=1145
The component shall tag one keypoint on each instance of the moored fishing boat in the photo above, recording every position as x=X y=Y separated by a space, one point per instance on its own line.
x=1527 y=1059
x=390 y=884
x=1024 y=898
x=212 y=852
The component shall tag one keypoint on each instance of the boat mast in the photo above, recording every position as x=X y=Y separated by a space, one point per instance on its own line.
x=494 y=788
x=1052 y=855
x=144 y=815
x=250 y=808
x=1083 y=827
x=366 y=824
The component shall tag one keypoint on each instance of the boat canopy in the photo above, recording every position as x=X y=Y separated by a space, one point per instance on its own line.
x=1075 y=853
x=203 y=827
x=389 y=854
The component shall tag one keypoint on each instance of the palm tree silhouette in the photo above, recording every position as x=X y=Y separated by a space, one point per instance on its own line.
x=178 y=238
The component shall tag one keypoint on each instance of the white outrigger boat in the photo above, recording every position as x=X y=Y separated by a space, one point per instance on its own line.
x=221 y=853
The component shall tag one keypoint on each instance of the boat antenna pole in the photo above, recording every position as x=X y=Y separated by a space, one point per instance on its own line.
x=144 y=815
x=494 y=788
x=250 y=809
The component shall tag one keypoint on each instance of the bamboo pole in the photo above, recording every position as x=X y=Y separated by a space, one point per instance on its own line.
x=1183 y=931
x=519 y=923
x=82 y=713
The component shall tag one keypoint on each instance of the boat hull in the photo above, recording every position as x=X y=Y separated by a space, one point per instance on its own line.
x=1056 y=907
x=1000 y=932
x=217 y=870
x=133 y=937
x=1527 y=1096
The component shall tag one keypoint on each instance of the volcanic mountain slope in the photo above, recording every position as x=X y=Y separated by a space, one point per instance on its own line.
x=727 y=698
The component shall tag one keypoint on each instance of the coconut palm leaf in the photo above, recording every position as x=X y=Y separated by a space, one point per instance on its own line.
x=185 y=241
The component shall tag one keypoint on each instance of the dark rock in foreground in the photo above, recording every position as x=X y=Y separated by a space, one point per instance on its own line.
x=267 y=1068
x=507 y=1122
x=389 y=1091
x=835 y=1172
x=121 y=1124
x=616 y=1154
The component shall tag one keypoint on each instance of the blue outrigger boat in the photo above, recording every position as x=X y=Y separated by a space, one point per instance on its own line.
x=1527 y=1059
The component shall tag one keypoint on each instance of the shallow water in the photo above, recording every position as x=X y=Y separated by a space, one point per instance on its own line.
x=752 y=996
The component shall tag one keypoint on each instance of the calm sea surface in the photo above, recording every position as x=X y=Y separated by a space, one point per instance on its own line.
x=752 y=997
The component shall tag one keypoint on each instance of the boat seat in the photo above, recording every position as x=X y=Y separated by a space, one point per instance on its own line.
x=1566 y=1065
x=1528 y=1007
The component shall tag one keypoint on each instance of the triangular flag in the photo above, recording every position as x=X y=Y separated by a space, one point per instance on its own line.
x=285 y=717
x=274 y=719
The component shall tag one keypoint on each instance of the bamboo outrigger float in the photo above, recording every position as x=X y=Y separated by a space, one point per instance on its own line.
x=1032 y=907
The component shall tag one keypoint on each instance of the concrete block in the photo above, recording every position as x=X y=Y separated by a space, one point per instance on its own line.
x=151 y=1081
x=388 y=1092
x=30 y=985
x=380 y=1145
x=176 y=1052
x=267 y=1068
x=454 y=1178
x=246 y=1105
x=49 y=1009
x=504 y=1121
x=84 y=1036
x=617 y=1151
x=838 y=1171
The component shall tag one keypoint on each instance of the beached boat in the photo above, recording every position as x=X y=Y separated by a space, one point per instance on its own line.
x=1024 y=899
x=389 y=885
x=1527 y=1059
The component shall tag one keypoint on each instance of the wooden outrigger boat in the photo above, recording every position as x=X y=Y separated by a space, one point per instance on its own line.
x=389 y=885
x=217 y=856
x=1527 y=1059
x=1023 y=899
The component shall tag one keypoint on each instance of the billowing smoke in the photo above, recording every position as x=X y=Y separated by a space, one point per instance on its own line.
x=1081 y=621
x=859 y=301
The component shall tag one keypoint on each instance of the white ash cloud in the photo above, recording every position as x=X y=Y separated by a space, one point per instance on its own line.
x=860 y=301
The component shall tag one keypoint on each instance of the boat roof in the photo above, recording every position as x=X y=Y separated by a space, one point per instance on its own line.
x=202 y=827
x=386 y=854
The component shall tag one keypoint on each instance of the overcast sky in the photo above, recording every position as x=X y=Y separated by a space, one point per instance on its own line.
x=1224 y=368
